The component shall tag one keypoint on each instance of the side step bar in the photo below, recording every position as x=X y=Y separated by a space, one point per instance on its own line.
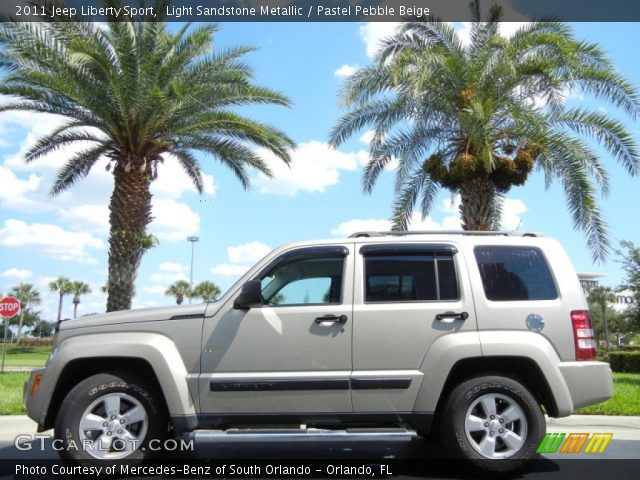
x=236 y=435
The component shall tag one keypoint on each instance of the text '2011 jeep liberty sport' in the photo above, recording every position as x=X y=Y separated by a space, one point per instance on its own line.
x=470 y=332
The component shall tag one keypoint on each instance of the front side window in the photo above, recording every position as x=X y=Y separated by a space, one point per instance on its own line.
x=515 y=273
x=410 y=276
x=311 y=280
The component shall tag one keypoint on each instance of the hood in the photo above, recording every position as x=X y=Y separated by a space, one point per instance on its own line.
x=137 y=315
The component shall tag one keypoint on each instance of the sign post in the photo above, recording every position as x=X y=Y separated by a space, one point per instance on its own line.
x=9 y=307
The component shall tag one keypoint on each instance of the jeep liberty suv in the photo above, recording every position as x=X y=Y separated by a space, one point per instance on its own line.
x=379 y=335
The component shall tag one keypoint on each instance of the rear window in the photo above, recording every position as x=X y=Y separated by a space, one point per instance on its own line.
x=515 y=273
x=410 y=276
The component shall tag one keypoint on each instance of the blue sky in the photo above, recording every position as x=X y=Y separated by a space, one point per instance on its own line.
x=319 y=197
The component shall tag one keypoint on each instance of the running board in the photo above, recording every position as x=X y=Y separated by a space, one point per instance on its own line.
x=236 y=435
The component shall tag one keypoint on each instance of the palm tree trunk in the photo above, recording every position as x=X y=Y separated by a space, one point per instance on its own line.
x=130 y=213
x=20 y=323
x=60 y=304
x=75 y=309
x=606 y=327
x=478 y=204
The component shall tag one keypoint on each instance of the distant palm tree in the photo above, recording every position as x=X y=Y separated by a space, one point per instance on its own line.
x=468 y=118
x=206 y=290
x=78 y=289
x=28 y=296
x=63 y=286
x=137 y=94
x=179 y=289
x=601 y=297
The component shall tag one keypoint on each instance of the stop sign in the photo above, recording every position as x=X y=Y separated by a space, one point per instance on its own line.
x=9 y=307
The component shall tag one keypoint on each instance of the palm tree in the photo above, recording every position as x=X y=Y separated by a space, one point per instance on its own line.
x=78 y=289
x=63 y=286
x=206 y=290
x=179 y=289
x=469 y=119
x=137 y=94
x=601 y=297
x=28 y=296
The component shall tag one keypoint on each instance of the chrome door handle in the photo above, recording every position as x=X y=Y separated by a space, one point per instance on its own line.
x=449 y=317
x=331 y=319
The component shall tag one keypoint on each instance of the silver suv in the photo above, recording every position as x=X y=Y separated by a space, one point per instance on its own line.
x=475 y=334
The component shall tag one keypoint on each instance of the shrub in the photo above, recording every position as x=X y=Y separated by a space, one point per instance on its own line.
x=36 y=342
x=625 y=362
x=630 y=348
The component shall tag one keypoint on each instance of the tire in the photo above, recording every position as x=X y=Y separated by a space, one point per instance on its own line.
x=506 y=442
x=124 y=413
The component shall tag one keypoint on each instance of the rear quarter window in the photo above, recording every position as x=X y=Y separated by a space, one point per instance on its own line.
x=515 y=273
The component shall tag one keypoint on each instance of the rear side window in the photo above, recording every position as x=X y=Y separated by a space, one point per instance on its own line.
x=515 y=273
x=410 y=276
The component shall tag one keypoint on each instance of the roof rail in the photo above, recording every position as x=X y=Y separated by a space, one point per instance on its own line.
x=401 y=233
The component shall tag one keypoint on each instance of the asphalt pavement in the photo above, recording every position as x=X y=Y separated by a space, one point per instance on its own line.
x=422 y=458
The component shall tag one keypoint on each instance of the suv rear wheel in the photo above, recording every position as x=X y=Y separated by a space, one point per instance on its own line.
x=493 y=421
x=110 y=417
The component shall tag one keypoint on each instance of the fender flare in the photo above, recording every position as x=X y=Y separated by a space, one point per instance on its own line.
x=448 y=350
x=157 y=350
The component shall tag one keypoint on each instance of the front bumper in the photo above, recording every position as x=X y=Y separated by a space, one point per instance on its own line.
x=35 y=405
x=588 y=382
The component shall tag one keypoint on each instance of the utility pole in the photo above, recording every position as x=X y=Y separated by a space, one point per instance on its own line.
x=193 y=241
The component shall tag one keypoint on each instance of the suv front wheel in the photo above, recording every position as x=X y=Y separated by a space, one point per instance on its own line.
x=494 y=422
x=110 y=417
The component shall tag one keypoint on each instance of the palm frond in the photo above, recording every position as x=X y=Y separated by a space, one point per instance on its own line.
x=77 y=167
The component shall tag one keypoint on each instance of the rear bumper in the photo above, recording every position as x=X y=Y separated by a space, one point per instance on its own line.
x=588 y=382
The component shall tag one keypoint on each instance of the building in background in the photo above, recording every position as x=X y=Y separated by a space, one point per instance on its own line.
x=624 y=298
x=589 y=281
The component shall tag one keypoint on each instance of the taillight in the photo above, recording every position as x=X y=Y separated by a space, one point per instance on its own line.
x=583 y=335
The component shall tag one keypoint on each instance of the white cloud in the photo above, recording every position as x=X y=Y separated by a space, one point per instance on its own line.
x=155 y=289
x=17 y=273
x=14 y=191
x=51 y=240
x=167 y=278
x=345 y=71
x=512 y=211
x=93 y=217
x=173 y=220
x=360 y=225
x=367 y=137
x=505 y=29
x=248 y=253
x=230 y=270
x=314 y=167
x=85 y=206
x=172 y=267
x=172 y=182
x=381 y=225
x=241 y=258
x=373 y=33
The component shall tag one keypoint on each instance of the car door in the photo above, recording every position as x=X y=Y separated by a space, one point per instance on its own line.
x=407 y=295
x=293 y=353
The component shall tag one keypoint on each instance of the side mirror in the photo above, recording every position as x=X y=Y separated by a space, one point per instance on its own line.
x=250 y=296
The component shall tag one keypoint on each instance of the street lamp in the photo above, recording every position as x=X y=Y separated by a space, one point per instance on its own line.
x=193 y=241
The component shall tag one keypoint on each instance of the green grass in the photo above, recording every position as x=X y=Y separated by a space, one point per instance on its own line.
x=625 y=400
x=11 y=392
x=21 y=356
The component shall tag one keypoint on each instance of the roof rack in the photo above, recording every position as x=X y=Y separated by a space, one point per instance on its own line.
x=402 y=233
